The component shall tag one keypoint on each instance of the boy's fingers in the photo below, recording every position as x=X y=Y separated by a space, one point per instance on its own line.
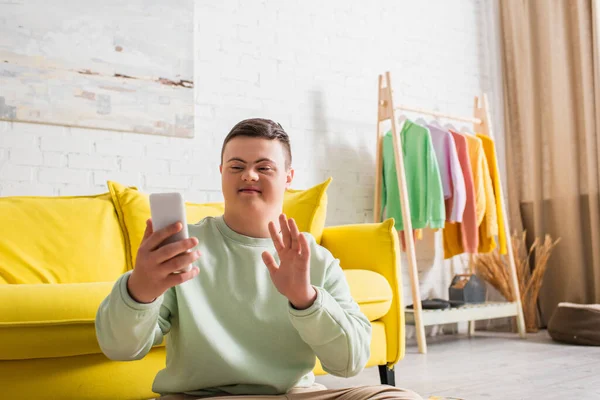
x=174 y=249
x=294 y=233
x=270 y=262
x=177 y=279
x=159 y=236
x=285 y=231
x=304 y=247
x=275 y=237
x=148 y=230
x=179 y=262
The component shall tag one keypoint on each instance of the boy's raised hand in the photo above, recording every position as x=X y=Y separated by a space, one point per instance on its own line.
x=292 y=276
x=155 y=264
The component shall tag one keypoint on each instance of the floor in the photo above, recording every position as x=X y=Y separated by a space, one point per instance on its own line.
x=493 y=366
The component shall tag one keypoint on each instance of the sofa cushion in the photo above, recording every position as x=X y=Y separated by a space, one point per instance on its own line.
x=308 y=207
x=60 y=240
x=41 y=320
x=371 y=291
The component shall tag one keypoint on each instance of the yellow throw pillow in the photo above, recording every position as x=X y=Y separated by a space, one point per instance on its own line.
x=68 y=239
x=307 y=207
x=133 y=209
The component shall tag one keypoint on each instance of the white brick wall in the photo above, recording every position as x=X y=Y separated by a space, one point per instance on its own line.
x=310 y=65
x=26 y=157
x=93 y=162
x=73 y=143
x=55 y=159
x=16 y=173
x=18 y=141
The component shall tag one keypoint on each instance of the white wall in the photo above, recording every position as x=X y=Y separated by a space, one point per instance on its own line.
x=310 y=65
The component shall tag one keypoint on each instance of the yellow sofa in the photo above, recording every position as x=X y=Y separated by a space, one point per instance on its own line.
x=60 y=256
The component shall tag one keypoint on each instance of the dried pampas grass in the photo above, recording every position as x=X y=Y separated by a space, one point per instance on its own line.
x=494 y=268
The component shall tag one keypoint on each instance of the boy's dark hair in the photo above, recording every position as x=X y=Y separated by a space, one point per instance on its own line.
x=263 y=129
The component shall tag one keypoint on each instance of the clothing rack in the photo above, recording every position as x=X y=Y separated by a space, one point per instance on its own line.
x=417 y=316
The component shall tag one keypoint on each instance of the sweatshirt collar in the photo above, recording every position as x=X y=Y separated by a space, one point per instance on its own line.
x=243 y=239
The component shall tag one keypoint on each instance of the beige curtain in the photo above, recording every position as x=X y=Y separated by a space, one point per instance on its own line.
x=552 y=100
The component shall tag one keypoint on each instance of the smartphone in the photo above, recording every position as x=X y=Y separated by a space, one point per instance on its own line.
x=167 y=209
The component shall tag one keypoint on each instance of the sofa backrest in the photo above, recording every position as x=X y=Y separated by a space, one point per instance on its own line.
x=77 y=239
x=60 y=240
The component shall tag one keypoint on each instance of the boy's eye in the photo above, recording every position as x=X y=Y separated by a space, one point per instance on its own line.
x=236 y=167
x=264 y=168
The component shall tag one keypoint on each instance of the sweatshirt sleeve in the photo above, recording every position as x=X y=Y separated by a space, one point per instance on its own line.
x=334 y=327
x=127 y=330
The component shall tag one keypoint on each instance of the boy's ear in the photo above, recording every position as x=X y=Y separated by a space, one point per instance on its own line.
x=289 y=178
x=221 y=168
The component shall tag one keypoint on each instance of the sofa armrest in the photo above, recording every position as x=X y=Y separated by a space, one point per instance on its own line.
x=374 y=247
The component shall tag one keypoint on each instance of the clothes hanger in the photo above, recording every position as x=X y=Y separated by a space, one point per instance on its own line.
x=435 y=122
x=466 y=130
x=421 y=121
x=401 y=119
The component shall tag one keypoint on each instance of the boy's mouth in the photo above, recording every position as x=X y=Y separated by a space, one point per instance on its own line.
x=250 y=189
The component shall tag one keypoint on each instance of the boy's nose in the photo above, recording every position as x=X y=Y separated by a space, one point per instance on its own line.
x=250 y=175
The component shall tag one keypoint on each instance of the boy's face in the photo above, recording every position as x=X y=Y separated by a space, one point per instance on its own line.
x=254 y=176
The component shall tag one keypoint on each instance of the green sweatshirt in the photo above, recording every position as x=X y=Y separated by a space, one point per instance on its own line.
x=423 y=180
x=230 y=330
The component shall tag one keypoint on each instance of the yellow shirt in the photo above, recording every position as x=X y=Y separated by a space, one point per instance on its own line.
x=485 y=201
x=490 y=155
x=476 y=157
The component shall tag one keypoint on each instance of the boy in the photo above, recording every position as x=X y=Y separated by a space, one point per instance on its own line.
x=260 y=302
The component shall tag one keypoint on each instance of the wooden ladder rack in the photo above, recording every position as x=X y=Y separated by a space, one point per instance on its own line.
x=471 y=312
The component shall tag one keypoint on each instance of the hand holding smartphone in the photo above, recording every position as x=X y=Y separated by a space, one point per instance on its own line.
x=167 y=209
x=165 y=257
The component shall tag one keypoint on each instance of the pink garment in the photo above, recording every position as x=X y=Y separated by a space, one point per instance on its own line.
x=468 y=227
x=453 y=180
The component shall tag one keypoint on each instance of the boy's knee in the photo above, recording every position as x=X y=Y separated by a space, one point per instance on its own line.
x=387 y=392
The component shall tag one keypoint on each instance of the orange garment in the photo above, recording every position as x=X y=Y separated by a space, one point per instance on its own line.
x=476 y=159
x=461 y=237
x=489 y=149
